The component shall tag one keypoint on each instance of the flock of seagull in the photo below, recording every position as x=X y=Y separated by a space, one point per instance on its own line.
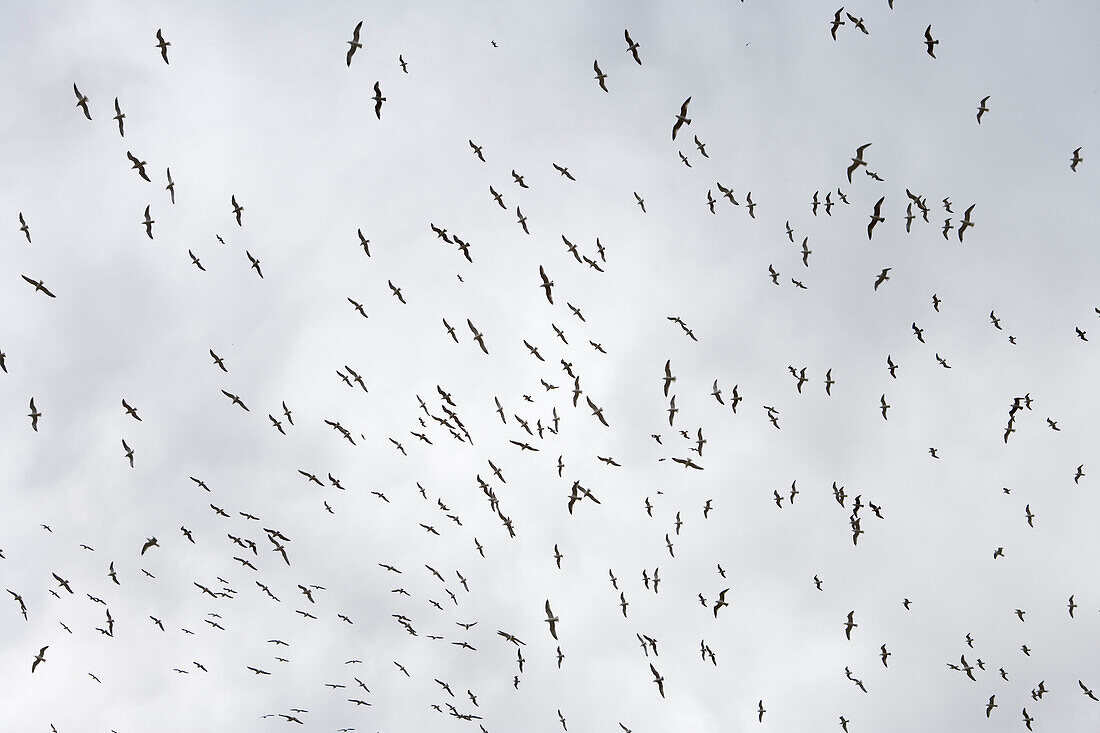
x=440 y=418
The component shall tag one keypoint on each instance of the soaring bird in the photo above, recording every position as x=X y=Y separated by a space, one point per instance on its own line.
x=1072 y=161
x=857 y=161
x=163 y=46
x=849 y=625
x=882 y=277
x=876 y=217
x=378 y=100
x=600 y=76
x=237 y=208
x=40 y=658
x=39 y=286
x=547 y=283
x=354 y=43
x=930 y=42
x=982 y=109
x=552 y=620
x=682 y=118
x=119 y=117
x=82 y=102
x=632 y=47
x=148 y=222
x=966 y=222
x=657 y=678
x=836 y=23
x=34 y=414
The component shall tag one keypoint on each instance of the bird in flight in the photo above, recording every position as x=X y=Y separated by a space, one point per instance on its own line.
x=930 y=42
x=237 y=208
x=882 y=277
x=982 y=109
x=681 y=118
x=1072 y=161
x=858 y=160
x=600 y=76
x=547 y=283
x=163 y=46
x=849 y=625
x=149 y=222
x=378 y=100
x=658 y=679
x=552 y=620
x=34 y=414
x=836 y=22
x=82 y=102
x=354 y=43
x=632 y=47
x=119 y=117
x=39 y=658
x=876 y=217
x=39 y=286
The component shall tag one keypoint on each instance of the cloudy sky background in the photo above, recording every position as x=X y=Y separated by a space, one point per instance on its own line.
x=258 y=102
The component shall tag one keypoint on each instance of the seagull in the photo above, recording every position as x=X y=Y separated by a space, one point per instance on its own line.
x=130 y=456
x=640 y=200
x=552 y=620
x=600 y=76
x=858 y=23
x=837 y=22
x=721 y=602
x=477 y=150
x=682 y=118
x=522 y=220
x=883 y=406
x=930 y=42
x=255 y=264
x=82 y=102
x=138 y=165
x=171 y=187
x=354 y=42
x=1072 y=163
x=849 y=625
x=163 y=46
x=857 y=161
x=119 y=117
x=40 y=658
x=547 y=283
x=404 y=65
x=237 y=208
x=632 y=47
x=882 y=277
x=478 y=336
x=564 y=171
x=378 y=100
x=657 y=678
x=149 y=222
x=875 y=217
x=982 y=109
x=1087 y=691
x=990 y=705
x=1071 y=605
x=760 y=711
x=966 y=222
x=218 y=361
x=34 y=414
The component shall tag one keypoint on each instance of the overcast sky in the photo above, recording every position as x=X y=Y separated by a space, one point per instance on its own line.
x=258 y=102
